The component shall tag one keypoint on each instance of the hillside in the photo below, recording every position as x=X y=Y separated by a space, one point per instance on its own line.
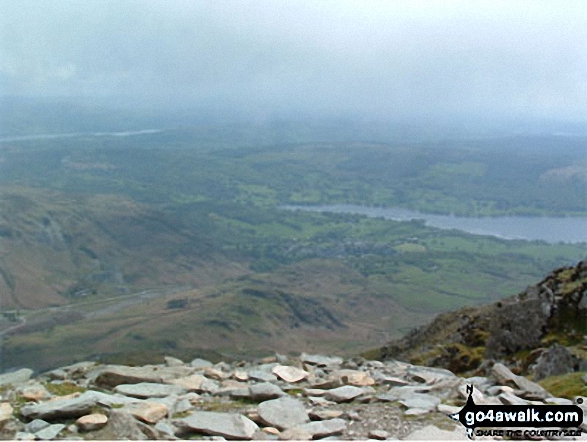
x=58 y=248
x=541 y=332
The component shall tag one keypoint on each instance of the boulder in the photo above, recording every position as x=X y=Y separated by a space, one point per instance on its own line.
x=227 y=425
x=344 y=394
x=200 y=363
x=357 y=378
x=430 y=432
x=265 y=391
x=36 y=425
x=173 y=362
x=145 y=390
x=555 y=361
x=121 y=425
x=92 y=422
x=262 y=376
x=422 y=401
x=527 y=388
x=378 y=434
x=289 y=374
x=320 y=361
x=60 y=408
x=282 y=413
x=195 y=382
x=320 y=429
x=148 y=412
x=50 y=432
x=16 y=377
x=5 y=412
x=34 y=393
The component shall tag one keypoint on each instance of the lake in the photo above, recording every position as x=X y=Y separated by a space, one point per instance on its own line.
x=545 y=228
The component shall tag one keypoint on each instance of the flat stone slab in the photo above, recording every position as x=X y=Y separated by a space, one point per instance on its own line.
x=16 y=377
x=325 y=428
x=528 y=389
x=227 y=425
x=201 y=363
x=61 y=408
x=148 y=412
x=145 y=390
x=289 y=374
x=36 y=425
x=344 y=394
x=320 y=361
x=265 y=391
x=423 y=401
x=50 y=432
x=430 y=432
x=283 y=413
x=112 y=375
x=261 y=375
x=195 y=382
x=92 y=422
x=357 y=378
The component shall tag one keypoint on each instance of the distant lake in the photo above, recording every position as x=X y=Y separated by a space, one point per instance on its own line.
x=127 y=133
x=545 y=228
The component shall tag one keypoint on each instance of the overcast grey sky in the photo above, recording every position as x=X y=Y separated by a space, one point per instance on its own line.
x=509 y=58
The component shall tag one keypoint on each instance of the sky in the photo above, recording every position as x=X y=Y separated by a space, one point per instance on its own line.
x=382 y=58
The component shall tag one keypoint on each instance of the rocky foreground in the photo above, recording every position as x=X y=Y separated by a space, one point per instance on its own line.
x=277 y=398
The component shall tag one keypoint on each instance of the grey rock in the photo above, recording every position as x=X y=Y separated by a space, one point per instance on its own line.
x=528 y=389
x=392 y=381
x=173 y=362
x=261 y=375
x=430 y=432
x=480 y=382
x=378 y=434
x=321 y=414
x=289 y=374
x=318 y=430
x=344 y=394
x=60 y=408
x=320 y=361
x=196 y=382
x=511 y=399
x=112 y=375
x=50 y=432
x=121 y=425
x=182 y=405
x=167 y=429
x=558 y=401
x=325 y=428
x=428 y=375
x=282 y=413
x=149 y=390
x=201 y=363
x=555 y=361
x=36 y=425
x=423 y=401
x=23 y=435
x=58 y=373
x=16 y=377
x=230 y=426
x=265 y=391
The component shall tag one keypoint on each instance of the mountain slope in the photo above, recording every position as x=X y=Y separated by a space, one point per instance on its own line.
x=55 y=248
x=541 y=331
